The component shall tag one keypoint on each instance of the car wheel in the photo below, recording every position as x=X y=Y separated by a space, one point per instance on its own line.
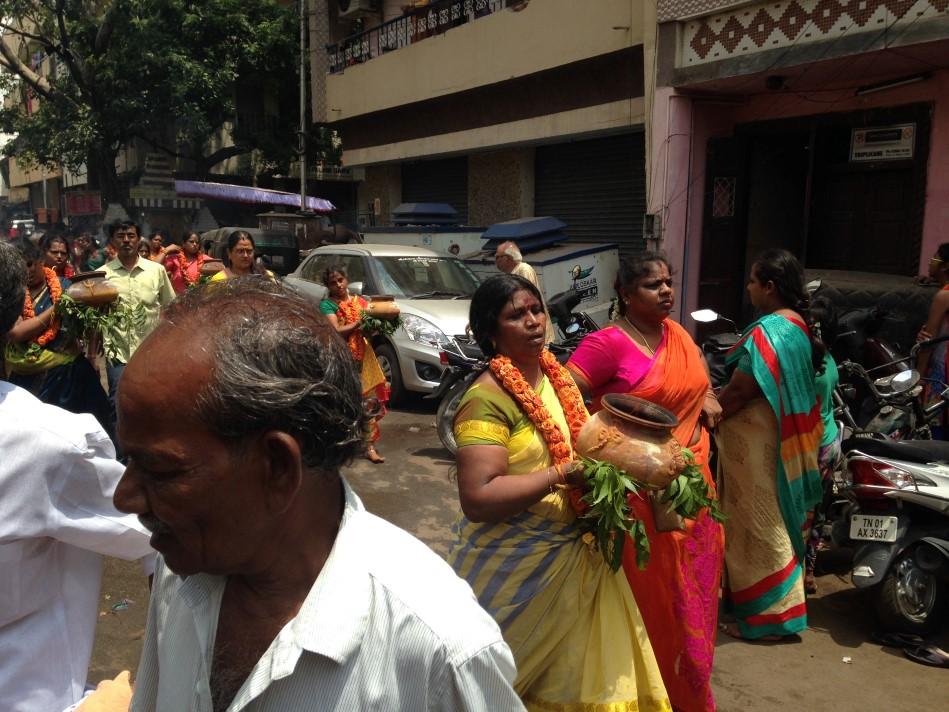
x=911 y=599
x=390 y=369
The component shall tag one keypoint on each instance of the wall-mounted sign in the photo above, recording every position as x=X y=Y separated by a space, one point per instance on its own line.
x=883 y=143
x=83 y=203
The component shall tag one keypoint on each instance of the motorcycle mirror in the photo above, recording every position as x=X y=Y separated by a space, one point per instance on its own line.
x=813 y=286
x=572 y=329
x=706 y=316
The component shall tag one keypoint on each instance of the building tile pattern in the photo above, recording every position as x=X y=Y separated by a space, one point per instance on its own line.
x=679 y=9
x=773 y=25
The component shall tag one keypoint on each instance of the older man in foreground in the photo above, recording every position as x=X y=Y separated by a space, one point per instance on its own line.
x=276 y=589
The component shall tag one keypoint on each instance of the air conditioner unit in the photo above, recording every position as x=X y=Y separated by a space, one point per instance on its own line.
x=352 y=9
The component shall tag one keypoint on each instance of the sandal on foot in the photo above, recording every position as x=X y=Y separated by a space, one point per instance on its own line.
x=810 y=583
x=732 y=631
x=897 y=640
x=373 y=456
x=928 y=655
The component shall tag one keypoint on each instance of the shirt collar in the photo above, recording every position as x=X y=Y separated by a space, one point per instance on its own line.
x=117 y=265
x=332 y=620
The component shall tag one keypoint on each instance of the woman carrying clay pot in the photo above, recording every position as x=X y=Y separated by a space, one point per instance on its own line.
x=344 y=311
x=184 y=263
x=40 y=355
x=768 y=454
x=646 y=354
x=573 y=625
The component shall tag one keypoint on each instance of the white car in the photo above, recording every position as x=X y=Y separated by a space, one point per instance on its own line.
x=432 y=290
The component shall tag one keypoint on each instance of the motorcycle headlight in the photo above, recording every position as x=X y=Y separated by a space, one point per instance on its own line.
x=424 y=331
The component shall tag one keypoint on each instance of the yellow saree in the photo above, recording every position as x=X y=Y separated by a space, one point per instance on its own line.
x=576 y=633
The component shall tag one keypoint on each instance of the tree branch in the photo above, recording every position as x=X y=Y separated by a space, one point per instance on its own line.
x=104 y=35
x=222 y=154
x=11 y=61
x=65 y=52
x=19 y=31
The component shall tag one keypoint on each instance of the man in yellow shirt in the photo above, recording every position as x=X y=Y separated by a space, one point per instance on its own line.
x=139 y=281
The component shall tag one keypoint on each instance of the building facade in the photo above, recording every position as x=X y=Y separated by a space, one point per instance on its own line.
x=502 y=109
x=820 y=126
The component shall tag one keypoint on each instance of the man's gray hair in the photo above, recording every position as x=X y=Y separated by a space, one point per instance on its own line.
x=12 y=287
x=278 y=365
x=512 y=251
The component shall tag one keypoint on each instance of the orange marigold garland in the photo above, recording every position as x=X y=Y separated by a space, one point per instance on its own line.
x=55 y=292
x=183 y=268
x=350 y=311
x=605 y=521
x=571 y=400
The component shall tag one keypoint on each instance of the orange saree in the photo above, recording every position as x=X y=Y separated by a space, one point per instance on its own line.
x=678 y=591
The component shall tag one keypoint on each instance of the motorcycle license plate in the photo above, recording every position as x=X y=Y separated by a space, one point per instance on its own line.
x=864 y=527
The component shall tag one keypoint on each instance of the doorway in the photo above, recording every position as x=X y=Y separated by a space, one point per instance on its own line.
x=796 y=184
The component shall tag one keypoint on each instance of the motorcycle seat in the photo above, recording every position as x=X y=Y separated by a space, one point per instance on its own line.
x=921 y=451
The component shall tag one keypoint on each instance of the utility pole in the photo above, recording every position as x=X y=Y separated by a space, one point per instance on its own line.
x=303 y=93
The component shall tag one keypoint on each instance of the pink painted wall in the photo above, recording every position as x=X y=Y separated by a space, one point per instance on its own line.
x=678 y=181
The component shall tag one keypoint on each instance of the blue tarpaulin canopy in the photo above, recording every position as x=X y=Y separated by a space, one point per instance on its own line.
x=528 y=233
x=246 y=194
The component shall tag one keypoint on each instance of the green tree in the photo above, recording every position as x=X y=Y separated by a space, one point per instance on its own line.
x=169 y=72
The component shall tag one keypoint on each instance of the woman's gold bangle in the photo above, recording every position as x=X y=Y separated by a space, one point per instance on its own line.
x=550 y=487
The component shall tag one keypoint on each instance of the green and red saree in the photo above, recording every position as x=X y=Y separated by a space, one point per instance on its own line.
x=768 y=462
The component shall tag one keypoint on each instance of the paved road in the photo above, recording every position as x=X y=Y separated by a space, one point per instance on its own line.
x=414 y=489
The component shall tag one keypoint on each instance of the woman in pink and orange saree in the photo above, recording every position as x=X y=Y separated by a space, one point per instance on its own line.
x=646 y=354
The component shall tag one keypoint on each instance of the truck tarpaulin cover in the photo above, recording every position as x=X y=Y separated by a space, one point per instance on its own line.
x=246 y=194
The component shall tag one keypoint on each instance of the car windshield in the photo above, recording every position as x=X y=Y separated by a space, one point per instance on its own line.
x=425 y=277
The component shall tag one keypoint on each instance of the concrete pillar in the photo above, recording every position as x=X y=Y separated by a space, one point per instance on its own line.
x=319 y=26
x=382 y=183
x=500 y=186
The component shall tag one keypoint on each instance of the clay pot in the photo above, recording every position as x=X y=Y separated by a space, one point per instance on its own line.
x=636 y=436
x=383 y=307
x=92 y=289
x=211 y=267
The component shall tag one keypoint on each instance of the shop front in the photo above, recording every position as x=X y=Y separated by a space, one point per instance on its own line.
x=775 y=128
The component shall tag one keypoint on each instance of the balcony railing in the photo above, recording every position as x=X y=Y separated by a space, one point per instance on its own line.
x=415 y=26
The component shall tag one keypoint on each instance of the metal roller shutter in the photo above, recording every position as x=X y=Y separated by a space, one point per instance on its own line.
x=441 y=181
x=598 y=187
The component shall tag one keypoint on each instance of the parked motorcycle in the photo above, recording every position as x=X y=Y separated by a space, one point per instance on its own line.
x=463 y=369
x=896 y=511
x=898 y=520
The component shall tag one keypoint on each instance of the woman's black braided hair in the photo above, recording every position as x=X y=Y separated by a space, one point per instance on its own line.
x=782 y=269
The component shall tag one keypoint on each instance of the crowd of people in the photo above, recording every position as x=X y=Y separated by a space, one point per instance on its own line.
x=234 y=406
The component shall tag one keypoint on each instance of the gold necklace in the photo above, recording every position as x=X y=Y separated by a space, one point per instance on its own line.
x=652 y=351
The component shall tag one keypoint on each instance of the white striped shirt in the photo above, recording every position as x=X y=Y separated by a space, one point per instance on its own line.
x=386 y=626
